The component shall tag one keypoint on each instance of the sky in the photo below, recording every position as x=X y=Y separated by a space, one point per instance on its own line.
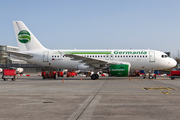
x=95 y=24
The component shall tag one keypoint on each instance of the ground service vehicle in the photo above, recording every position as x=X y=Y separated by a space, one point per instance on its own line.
x=60 y=73
x=175 y=74
x=48 y=74
x=71 y=73
x=9 y=74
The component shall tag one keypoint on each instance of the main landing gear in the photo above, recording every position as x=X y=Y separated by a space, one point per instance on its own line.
x=94 y=76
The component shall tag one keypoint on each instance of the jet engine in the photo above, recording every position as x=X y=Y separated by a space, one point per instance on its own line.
x=119 y=70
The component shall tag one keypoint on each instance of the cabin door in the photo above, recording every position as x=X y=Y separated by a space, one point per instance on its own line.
x=45 y=56
x=151 y=56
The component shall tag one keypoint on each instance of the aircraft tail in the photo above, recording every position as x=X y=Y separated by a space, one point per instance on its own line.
x=25 y=39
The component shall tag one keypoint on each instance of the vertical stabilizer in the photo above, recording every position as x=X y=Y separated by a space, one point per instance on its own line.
x=25 y=39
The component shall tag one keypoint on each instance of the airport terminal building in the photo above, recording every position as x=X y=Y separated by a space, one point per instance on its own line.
x=6 y=60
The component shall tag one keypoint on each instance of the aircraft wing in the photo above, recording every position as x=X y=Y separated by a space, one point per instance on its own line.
x=17 y=54
x=92 y=61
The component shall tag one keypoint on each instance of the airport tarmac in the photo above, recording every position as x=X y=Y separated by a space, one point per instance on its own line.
x=108 y=98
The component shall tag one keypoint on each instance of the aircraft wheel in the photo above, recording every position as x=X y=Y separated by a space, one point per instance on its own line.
x=97 y=76
x=94 y=76
x=150 y=77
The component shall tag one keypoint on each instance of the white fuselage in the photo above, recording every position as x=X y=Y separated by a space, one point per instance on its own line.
x=138 y=59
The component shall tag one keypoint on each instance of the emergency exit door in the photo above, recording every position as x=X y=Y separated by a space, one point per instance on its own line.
x=45 y=56
x=151 y=56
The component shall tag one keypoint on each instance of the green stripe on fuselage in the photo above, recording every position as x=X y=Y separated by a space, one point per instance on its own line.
x=87 y=52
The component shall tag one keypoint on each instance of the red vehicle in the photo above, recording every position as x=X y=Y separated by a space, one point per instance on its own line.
x=9 y=74
x=47 y=74
x=175 y=74
x=60 y=73
x=71 y=73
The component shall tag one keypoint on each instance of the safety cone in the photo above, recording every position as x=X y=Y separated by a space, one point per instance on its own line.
x=81 y=78
x=63 y=80
x=129 y=78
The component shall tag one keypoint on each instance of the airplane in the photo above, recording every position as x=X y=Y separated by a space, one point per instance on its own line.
x=117 y=62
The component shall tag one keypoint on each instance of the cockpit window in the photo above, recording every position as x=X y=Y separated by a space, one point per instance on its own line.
x=164 y=56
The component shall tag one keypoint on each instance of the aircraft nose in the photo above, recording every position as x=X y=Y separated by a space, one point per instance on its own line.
x=173 y=63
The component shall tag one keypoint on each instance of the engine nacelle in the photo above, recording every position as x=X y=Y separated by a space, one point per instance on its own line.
x=119 y=70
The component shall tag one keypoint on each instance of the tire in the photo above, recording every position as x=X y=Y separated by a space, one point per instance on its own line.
x=13 y=79
x=93 y=76
x=172 y=78
x=150 y=77
x=97 y=76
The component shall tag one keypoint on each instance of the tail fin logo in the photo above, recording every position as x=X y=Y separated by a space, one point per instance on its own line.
x=24 y=36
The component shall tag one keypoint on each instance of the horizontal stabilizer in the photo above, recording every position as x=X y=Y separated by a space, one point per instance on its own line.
x=17 y=54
